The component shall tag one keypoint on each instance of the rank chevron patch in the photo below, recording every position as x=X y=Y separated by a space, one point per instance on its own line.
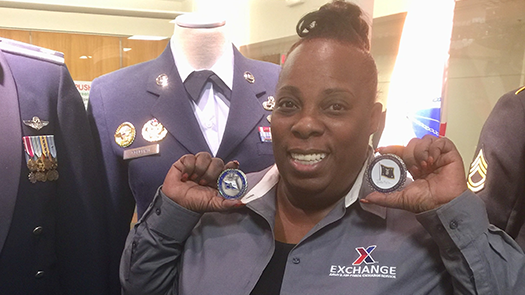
x=477 y=173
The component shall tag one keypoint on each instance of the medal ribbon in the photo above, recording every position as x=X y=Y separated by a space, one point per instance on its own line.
x=28 y=146
x=37 y=148
x=52 y=147
x=45 y=147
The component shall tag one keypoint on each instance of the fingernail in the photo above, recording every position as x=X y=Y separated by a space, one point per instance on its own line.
x=184 y=177
x=365 y=201
x=202 y=182
x=194 y=176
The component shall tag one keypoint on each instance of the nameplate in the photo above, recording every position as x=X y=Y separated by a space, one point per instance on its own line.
x=141 y=152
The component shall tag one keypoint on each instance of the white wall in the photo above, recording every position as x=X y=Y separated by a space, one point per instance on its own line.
x=91 y=16
x=248 y=21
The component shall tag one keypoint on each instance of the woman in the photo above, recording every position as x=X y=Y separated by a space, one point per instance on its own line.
x=301 y=229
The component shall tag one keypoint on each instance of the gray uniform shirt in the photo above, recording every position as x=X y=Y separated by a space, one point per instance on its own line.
x=355 y=249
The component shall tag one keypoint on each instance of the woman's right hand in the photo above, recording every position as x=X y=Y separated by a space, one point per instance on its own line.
x=192 y=183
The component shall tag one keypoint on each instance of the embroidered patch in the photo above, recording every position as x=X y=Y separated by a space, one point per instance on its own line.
x=478 y=173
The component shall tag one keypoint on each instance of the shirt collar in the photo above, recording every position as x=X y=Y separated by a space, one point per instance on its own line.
x=223 y=67
x=358 y=191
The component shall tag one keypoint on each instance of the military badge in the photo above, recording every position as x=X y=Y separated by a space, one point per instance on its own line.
x=41 y=158
x=269 y=104
x=162 y=80
x=386 y=173
x=265 y=133
x=249 y=77
x=232 y=184
x=36 y=123
x=477 y=173
x=125 y=134
x=153 y=131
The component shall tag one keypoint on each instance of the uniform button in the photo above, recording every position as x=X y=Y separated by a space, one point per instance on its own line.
x=296 y=260
x=39 y=274
x=453 y=224
x=157 y=211
x=38 y=230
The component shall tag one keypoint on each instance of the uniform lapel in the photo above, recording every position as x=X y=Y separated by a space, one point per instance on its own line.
x=173 y=107
x=245 y=109
x=10 y=147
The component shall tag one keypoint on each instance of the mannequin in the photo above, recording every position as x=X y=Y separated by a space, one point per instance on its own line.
x=153 y=94
x=199 y=42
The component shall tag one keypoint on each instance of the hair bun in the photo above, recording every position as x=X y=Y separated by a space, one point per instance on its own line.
x=336 y=20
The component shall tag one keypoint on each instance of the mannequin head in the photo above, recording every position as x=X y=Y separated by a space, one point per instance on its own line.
x=201 y=39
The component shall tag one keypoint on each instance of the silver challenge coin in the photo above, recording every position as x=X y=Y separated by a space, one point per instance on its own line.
x=232 y=184
x=386 y=173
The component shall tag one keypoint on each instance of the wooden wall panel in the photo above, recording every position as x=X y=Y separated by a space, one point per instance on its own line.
x=90 y=56
x=137 y=51
x=87 y=56
x=22 y=36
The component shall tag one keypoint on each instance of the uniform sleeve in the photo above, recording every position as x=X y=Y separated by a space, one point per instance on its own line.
x=81 y=230
x=503 y=146
x=151 y=257
x=481 y=258
x=120 y=202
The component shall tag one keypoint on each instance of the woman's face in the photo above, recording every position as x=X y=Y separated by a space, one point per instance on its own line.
x=324 y=115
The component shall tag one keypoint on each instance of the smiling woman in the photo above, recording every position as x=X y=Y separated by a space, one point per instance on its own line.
x=309 y=224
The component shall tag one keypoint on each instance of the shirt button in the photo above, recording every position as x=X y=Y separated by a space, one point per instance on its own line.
x=38 y=230
x=296 y=260
x=453 y=224
x=39 y=274
x=157 y=211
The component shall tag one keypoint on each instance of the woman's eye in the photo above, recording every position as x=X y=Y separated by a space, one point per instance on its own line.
x=287 y=104
x=337 y=107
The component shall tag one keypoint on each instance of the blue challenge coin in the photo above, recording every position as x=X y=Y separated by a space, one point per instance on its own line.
x=386 y=173
x=232 y=184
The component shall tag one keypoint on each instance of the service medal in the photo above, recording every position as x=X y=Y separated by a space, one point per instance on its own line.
x=386 y=173
x=153 y=131
x=232 y=184
x=125 y=134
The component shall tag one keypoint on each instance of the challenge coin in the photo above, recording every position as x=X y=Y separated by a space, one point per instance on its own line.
x=386 y=173
x=232 y=184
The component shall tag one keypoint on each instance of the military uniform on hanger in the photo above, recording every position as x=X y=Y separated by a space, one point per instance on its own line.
x=53 y=237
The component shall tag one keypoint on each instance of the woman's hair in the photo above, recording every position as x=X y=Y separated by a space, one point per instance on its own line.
x=338 y=20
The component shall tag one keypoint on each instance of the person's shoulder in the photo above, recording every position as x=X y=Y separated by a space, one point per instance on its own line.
x=520 y=92
x=511 y=100
x=31 y=52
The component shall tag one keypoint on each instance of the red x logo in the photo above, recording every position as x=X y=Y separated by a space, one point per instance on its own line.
x=365 y=255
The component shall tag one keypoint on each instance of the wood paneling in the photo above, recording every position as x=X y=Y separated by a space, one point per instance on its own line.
x=22 y=36
x=87 y=56
x=137 y=51
x=90 y=56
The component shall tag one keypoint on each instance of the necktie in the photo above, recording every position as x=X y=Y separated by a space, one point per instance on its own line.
x=197 y=79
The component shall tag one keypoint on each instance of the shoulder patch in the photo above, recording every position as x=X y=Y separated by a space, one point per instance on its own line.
x=519 y=90
x=477 y=173
x=33 y=51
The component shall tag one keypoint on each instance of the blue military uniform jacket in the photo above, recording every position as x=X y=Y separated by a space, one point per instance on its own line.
x=53 y=237
x=497 y=173
x=136 y=95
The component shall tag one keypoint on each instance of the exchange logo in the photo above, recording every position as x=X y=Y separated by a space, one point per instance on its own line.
x=365 y=255
x=370 y=269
